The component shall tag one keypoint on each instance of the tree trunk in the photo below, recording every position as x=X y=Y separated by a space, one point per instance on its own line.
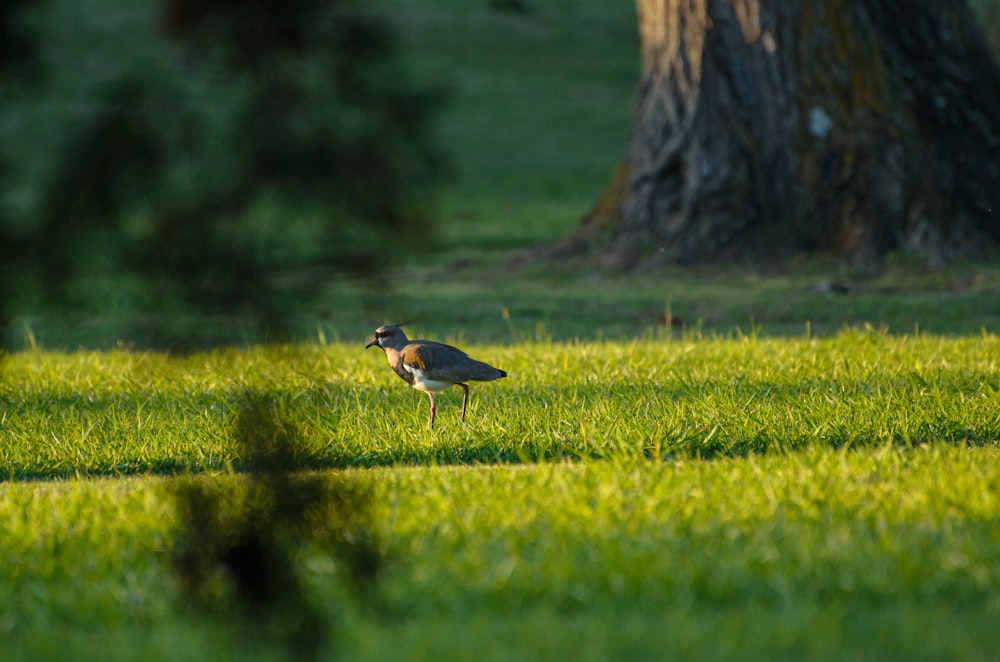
x=773 y=127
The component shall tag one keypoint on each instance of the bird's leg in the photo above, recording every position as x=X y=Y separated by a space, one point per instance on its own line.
x=433 y=408
x=465 y=400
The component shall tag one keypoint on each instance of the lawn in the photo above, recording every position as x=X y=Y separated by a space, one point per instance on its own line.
x=794 y=461
x=96 y=413
x=878 y=553
x=778 y=498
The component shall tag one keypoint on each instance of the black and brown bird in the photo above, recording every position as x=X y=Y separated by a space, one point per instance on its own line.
x=431 y=366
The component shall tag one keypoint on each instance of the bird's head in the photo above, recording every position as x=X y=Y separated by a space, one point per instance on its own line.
x=389 y=335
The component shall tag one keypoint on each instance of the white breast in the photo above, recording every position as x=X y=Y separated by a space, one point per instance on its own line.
x=421 y=382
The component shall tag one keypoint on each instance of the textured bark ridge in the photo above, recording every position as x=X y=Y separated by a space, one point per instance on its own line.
x=770 y=128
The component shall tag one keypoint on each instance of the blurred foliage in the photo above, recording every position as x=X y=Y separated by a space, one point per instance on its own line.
x=269 y=147
x=988 y=14
x=18 y=53
x=537 y=118
x=18 y=59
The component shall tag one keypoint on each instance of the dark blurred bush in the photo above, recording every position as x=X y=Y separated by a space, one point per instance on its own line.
x=272 y=147
x=18 y=61
x=18 y=51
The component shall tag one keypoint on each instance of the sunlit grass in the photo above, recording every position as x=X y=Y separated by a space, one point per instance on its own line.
x=133 y=412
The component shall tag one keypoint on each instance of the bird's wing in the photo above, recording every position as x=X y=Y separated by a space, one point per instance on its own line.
x=436 y=361
x=444 y=363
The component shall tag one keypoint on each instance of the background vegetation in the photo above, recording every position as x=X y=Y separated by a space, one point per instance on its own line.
x=237 y=156
x=533 y=122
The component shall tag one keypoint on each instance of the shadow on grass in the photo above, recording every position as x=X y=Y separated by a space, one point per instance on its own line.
x=240 y=554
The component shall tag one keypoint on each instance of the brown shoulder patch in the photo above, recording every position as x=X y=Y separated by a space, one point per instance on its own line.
x=413 y=356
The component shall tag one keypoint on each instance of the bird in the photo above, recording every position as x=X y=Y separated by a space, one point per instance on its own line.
x=430 y=366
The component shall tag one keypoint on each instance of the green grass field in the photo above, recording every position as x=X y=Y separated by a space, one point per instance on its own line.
x=775 y=498
x=126 y=412
x=786 y=474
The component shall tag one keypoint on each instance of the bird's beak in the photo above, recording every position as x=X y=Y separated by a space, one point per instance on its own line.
x=373 y=342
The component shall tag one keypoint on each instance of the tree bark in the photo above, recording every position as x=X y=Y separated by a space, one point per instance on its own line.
x=773 y=127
